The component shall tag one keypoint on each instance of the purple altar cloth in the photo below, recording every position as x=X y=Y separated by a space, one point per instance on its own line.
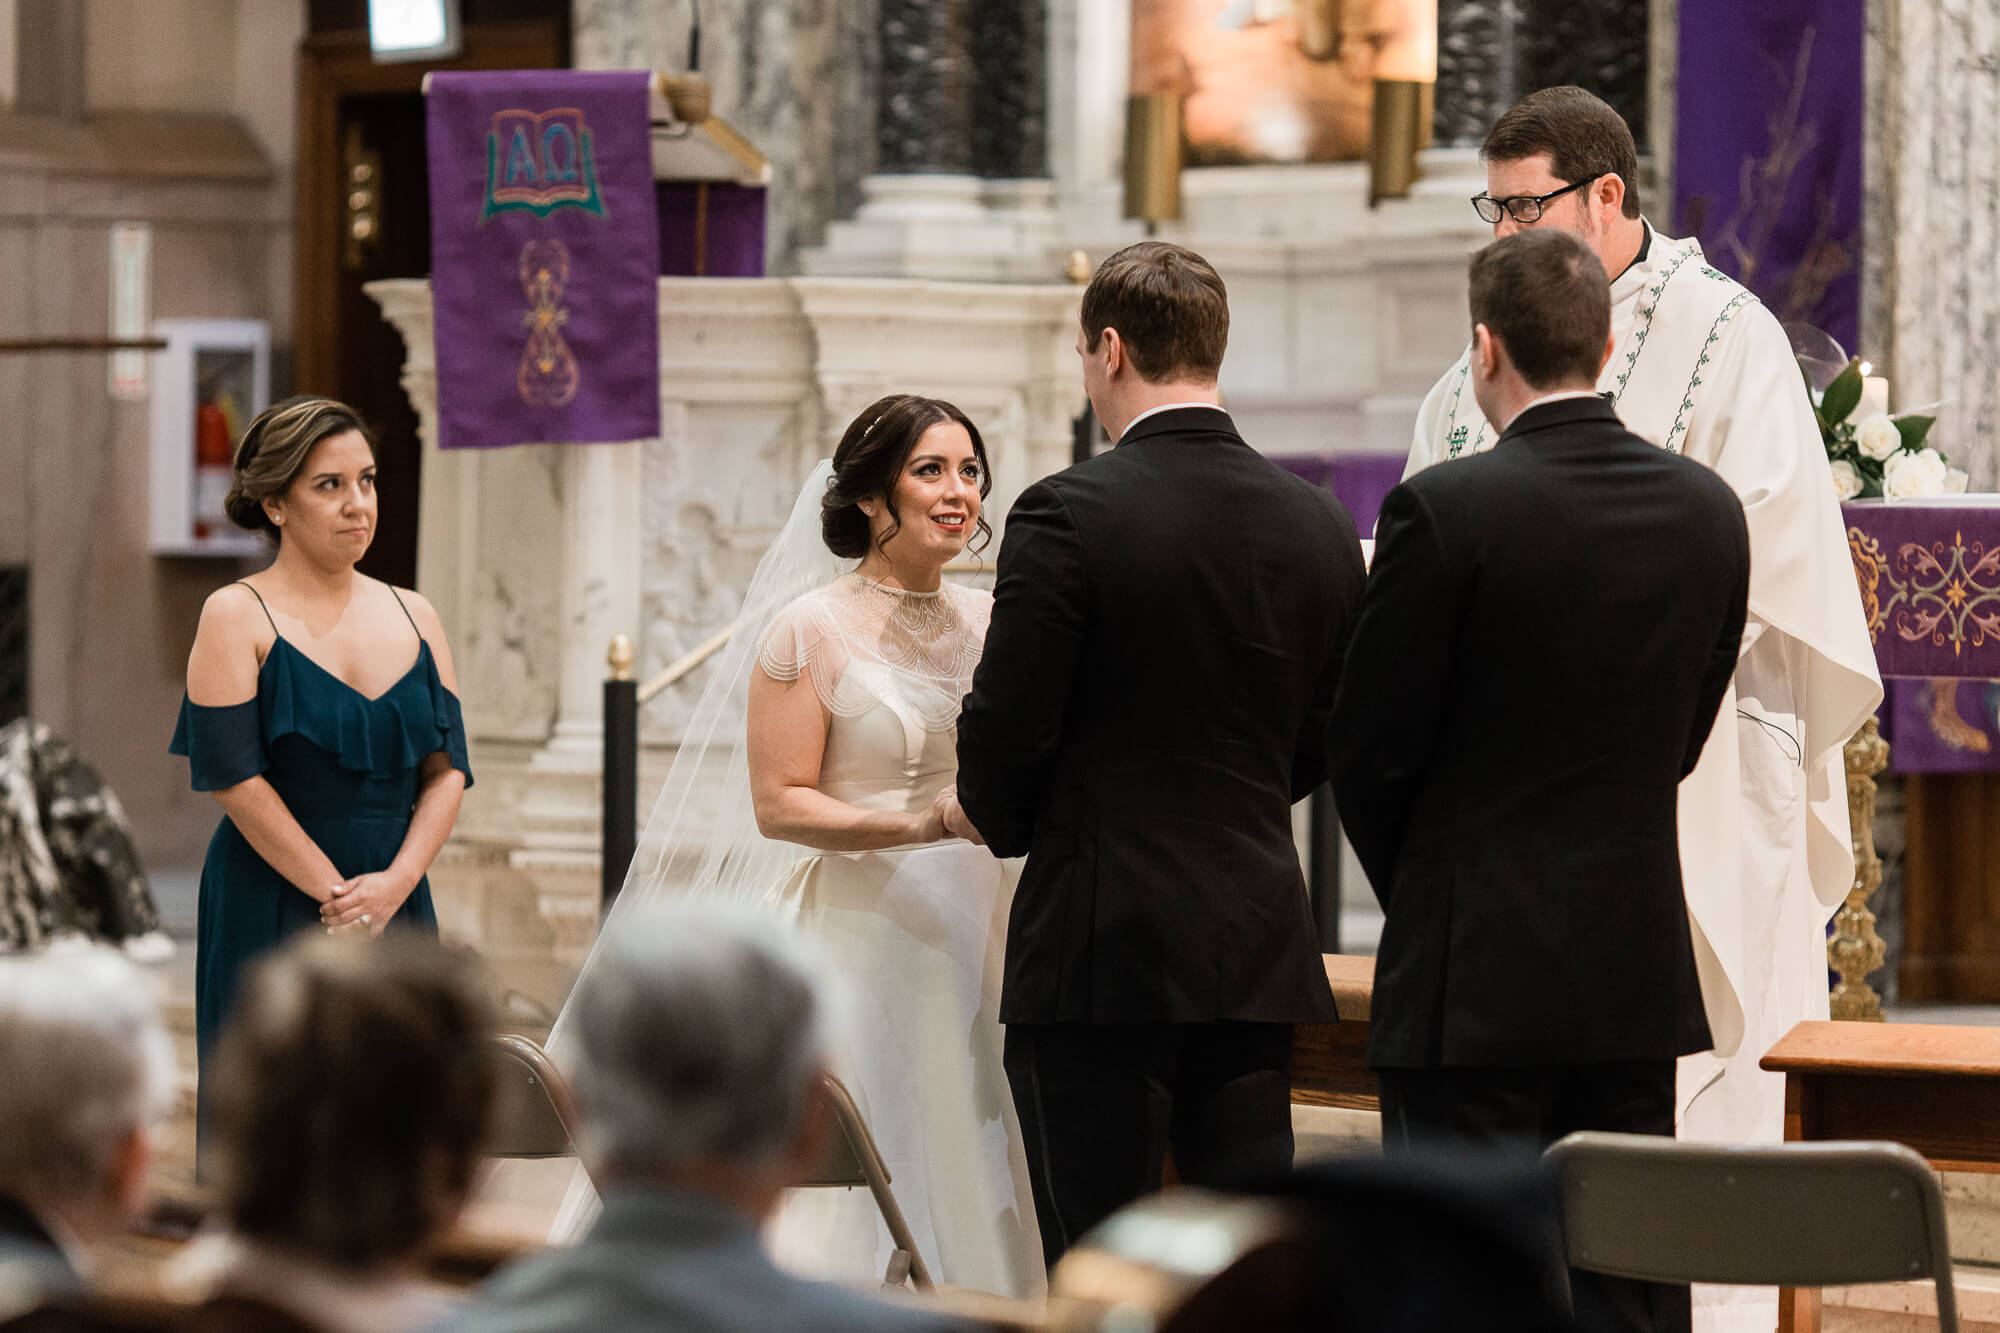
x=1942 y=726
x=544 y=257
x=1357 y=480
x=711 y=229
x=1929 y=573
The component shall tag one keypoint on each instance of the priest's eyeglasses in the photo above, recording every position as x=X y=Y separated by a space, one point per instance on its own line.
x=1526 y=208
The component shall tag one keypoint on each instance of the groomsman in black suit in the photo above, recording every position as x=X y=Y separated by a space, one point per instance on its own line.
x=1548 y=632
x=1166 y=638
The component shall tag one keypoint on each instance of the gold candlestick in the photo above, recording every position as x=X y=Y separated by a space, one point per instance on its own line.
x=1855 y=949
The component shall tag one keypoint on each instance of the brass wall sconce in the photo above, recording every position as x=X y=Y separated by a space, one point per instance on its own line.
x=363 y=223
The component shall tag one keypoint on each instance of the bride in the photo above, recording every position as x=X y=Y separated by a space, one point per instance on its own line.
x=815 y=777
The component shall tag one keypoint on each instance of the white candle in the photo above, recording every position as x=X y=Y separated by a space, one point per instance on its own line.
x=1874 y=398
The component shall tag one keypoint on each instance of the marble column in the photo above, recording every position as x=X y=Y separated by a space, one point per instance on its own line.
x=961 y=188
x=1010 y=130
x=924 y=169
x=1931 y=314
x=601 y=543
x=924 y=108
x=1492 y=53
x=1010 y=95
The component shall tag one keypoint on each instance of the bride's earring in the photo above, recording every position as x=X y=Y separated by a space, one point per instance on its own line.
x=868 y=511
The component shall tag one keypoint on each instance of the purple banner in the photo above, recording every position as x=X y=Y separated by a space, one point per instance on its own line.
x=544 y=257
x=1768 y=151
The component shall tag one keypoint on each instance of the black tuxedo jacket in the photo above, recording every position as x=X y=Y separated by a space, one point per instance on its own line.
x=1548 y=632
x=1167 y=634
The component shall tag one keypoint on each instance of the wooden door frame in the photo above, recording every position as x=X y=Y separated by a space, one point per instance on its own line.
x=336 y=65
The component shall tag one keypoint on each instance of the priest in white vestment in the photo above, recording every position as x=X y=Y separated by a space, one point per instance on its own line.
x=1700 y=367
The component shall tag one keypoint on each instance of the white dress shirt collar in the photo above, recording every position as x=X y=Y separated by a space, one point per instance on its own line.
x=1169 y=407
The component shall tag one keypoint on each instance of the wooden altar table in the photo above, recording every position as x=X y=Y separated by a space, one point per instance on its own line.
x=1933 y=1087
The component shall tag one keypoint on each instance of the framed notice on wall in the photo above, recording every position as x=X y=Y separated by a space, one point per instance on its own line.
x=131 y=304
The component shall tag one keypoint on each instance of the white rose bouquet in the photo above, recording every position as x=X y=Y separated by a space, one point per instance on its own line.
x=1879 y=455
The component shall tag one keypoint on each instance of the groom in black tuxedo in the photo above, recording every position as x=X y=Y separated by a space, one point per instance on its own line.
x=1167 y=633
x=1549 y=630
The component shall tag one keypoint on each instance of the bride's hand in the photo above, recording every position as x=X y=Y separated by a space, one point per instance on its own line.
x=957 y=825
x=931 y=825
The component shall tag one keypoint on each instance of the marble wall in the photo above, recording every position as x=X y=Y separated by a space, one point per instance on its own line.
x=798 y=77
x=110 y=625
x=1931 y=311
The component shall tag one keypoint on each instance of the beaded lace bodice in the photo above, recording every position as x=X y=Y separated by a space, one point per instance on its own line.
x=892 y=667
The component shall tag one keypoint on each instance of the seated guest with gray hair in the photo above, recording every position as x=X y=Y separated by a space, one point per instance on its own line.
x=696 y=1043
x=86 y=1072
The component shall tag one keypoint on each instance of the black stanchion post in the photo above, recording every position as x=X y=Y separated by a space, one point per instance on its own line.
x=621 y=769
x=1323 y=852
x=1083 y=435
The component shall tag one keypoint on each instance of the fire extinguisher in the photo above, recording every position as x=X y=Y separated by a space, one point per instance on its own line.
x=212 y=469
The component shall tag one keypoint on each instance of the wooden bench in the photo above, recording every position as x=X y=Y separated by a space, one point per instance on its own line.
x=1935 y=1088
x=1330 y=1060
x=1932 y=1087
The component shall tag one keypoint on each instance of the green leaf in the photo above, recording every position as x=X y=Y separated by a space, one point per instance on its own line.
x=1844 y=394
x=1913 y=430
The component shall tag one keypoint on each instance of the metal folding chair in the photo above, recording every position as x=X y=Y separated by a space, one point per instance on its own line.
x=533 y=1112
x=535 y=1116
x=852 y=1159
x=1791 y=1214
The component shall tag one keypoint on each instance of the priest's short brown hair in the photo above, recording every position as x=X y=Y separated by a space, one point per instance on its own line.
x=1169 y=307
x=1583 y=137
x=1543 y=294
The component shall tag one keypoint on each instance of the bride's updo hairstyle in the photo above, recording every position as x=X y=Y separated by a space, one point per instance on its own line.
x=870 y=460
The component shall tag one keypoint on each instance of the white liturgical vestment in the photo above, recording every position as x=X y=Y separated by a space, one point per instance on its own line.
x=1700 y=367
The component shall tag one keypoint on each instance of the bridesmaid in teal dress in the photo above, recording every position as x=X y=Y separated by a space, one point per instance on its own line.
x=321 y=711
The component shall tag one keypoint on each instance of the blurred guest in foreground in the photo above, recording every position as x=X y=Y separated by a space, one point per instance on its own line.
x=352 y=1091
x=698 y=1041
x=86 y=1072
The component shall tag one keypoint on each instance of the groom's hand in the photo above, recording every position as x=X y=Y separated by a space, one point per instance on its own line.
x=958 y=826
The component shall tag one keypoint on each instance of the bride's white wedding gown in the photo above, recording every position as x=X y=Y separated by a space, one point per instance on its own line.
x=915 y=935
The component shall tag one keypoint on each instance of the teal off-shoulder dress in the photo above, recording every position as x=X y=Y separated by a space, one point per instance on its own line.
x=345 y=765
